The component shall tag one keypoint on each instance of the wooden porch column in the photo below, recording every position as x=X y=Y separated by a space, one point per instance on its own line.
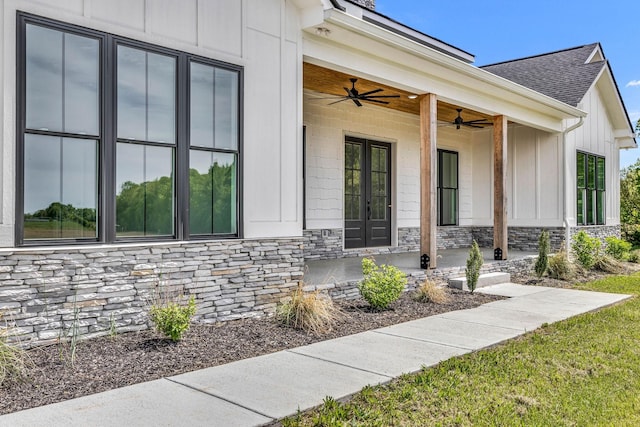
x=500 y=233
x=428 y=156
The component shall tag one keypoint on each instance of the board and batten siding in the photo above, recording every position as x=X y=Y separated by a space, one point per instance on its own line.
x=534 y=178
x=327 y=126
x=263 y=36
x=595 y=136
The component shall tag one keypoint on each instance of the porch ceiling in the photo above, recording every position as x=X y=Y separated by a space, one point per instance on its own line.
x=331 y=82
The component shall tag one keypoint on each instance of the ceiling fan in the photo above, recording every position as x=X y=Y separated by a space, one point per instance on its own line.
x=356 y=96
x=459 y=121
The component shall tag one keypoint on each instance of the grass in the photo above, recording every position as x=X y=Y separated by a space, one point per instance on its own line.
x=582 y=371
x=308 y=311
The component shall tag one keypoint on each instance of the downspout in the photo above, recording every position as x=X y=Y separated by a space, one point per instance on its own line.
x=566 y=178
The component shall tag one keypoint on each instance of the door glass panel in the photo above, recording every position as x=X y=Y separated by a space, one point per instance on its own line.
x=447 y=187
x=213 y=195
x=60 y=187
x=449 y=201
x=352 y=175
x=145 y=191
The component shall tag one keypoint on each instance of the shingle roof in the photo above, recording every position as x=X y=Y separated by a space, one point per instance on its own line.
x=562 y=75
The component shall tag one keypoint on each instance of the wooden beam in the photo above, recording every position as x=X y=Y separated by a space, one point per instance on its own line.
x=500 y=231
x=428 y=155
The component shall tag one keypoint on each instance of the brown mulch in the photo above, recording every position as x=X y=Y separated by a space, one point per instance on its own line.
x=110 y=362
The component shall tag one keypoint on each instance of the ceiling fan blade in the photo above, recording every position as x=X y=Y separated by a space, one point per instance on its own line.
x=374 y=100
x=340 y=100
x=355 y=100
x=380 y=96
x=349 y=94
x=371 y=92
x=473 y=126
x=479 y=122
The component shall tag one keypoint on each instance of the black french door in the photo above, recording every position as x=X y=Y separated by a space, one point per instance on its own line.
x=367 y=193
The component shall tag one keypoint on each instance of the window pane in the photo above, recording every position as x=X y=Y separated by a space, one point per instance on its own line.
x=226 y=109
x=202 y=104
x=590 y=207
x=601 y=174
x=60 y=188
x=146 y=95
x=449 y=202
x=44 y=78
x=581 y=165
x=591 y=172
x=81 y=84
x=600 y=204
x=580 y=206
x=213 y=193
x=144 y=191
x=449 y=165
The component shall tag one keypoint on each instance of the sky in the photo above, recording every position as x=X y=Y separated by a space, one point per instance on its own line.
x=500 y=30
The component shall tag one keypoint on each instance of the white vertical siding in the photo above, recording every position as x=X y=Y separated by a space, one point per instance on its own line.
x=263 y=36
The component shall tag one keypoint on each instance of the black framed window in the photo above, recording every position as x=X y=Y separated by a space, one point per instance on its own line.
x=591 y=187
x=120 y=140
x=447 y=187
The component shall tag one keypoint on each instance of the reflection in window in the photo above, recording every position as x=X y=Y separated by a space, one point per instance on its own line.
x=60 y=188
x=212 y=204
x=144 y=192
x=447 y=187
x=146 y=96
x=590 y=192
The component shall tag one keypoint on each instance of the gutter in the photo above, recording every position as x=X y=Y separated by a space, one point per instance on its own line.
x=565 y=176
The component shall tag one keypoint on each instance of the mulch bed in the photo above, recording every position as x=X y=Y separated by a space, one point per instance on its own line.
x=110 y=362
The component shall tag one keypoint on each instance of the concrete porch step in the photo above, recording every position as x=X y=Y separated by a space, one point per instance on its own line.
x=486 y=279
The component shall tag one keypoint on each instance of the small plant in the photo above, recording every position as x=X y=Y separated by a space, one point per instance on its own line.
x=474 y=263
x=634 y=256
x=311 y=312
x=559 y=265
x=543 y=254
x=381 y=285
x=171 y=318
x=14 y=361
x=113 y=327
x=429 y=291
x=586 y=249
x=617 y=248
x=609 y=264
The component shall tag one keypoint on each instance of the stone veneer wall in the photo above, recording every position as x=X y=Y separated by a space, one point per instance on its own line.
x=40 y=289
x=599 y=231
x=520 y=238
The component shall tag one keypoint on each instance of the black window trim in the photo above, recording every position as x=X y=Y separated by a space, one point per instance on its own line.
x=108 y=140
x=585 y=222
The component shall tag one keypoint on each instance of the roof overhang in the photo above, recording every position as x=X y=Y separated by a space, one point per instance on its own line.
x=353 y=45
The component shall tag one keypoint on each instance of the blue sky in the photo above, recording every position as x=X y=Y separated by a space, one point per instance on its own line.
x=499 y=30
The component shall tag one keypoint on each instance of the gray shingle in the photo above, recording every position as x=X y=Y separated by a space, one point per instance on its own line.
x=562 y=75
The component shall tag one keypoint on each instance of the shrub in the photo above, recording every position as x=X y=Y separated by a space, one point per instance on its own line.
x=586 y=249
x=543 y=252
x=617 y=248
x=559 y=265
x=609 y=264
x=14 y=361
x=310 y=312
x=474 y=263
x=634 y=256
x=429 y=291
x=171 y=318
x=381 y=285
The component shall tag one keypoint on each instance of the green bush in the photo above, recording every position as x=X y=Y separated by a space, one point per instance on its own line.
x=381 y=285
x=543 y=254
x=559 y=265
x=617 y=248
x=173 y=319
x=474 y=263
x=586 y=249
x=634 y=256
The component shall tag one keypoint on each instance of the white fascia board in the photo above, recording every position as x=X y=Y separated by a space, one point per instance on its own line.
x=615 y=107
x=426 y=54
x=311 y=12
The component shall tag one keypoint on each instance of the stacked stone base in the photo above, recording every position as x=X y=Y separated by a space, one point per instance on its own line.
x=45 y=293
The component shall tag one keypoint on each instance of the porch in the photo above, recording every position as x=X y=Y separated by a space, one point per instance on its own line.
x=340 y=277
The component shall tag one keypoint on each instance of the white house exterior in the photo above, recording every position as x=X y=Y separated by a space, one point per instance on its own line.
x=190 y=144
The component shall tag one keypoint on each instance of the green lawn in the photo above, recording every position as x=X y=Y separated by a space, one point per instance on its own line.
x=582 y=371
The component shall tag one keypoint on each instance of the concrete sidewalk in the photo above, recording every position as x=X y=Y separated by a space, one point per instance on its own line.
x=263 y=389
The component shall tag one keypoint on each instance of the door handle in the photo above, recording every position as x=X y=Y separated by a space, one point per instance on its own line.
x=368 y=210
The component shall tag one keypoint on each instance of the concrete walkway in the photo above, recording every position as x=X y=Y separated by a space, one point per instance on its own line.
x=263 y=389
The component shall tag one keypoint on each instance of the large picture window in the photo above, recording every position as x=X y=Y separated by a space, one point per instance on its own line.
x=591 y=189
x=120 y=140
